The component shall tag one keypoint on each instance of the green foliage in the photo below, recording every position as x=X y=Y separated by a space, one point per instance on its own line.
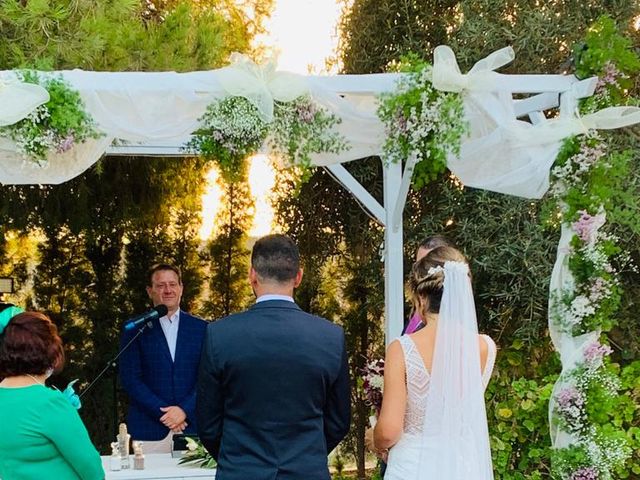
x=518 y=421
x=112 y=35
x=232 y=130
x=542 y=34
x=376 y=33
x=302 y=128
x=588 y=181
x=603 y=45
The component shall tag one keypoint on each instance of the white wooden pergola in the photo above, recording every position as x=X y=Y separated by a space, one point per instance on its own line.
x=543 y=92
x=136 y=107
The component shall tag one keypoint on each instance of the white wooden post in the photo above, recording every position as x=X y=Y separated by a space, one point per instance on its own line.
x=393 y=254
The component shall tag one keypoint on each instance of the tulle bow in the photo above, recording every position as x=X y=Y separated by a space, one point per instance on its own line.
x=261 y=84
x=446 y=75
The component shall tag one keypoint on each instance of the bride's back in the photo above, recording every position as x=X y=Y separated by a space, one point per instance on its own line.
x=418 y=350
x=425 y=340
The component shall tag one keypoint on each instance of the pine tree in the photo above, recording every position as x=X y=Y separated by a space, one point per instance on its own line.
x=228 y=252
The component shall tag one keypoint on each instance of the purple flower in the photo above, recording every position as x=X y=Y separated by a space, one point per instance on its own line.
x=306 y=111
x=586 y=227
x=401 y=121
x=570 y=407
x=595 y=352
x=599 y=289
x=585 y=473
x=610 y=76
x=570 y=397
x=65 y=144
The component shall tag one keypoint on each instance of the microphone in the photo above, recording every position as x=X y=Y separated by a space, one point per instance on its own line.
x=156 y=312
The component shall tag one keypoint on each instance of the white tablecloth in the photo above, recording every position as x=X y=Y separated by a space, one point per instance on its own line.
x=158 y=466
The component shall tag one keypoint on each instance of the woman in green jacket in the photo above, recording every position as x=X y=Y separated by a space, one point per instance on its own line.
x=43 y=435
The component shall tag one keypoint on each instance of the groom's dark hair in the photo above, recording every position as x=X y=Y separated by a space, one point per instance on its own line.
x=276 y=257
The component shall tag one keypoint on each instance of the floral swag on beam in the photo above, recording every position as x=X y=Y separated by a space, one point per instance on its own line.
x=264 y=106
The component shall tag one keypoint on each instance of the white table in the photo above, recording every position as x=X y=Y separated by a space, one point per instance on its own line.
x=158 y=466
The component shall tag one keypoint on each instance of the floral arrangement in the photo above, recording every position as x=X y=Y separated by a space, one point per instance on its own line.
x=197 y=455
x=373 y=383
x=586 y=186
x=422 y=121
x=232 y=129
x=54 y=127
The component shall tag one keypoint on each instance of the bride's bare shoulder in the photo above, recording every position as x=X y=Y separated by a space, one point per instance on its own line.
x=486 y=342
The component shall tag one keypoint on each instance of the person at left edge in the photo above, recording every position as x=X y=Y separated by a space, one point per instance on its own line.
x=43 y=436
x=160 y=369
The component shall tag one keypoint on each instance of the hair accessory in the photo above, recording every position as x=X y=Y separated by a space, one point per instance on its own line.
x=7 y=314
x=435 y=270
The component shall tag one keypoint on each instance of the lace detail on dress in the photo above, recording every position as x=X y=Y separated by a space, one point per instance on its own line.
x=417 y=386
x=418 y=378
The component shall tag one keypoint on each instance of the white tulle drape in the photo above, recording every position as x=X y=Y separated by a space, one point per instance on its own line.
x=501 y=154
x=455 y=441
x=18 y=99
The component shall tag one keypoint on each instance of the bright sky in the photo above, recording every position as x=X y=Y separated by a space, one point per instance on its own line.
x=303 y=33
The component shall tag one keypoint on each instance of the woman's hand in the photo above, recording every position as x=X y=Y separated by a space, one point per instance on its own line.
x=382 y=454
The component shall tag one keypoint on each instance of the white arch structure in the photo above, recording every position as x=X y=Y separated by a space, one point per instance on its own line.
x=152 y=114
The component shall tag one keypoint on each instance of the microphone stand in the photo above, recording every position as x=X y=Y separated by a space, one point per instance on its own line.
x=113 y=363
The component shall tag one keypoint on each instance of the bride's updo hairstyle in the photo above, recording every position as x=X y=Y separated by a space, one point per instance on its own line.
x=427 y=279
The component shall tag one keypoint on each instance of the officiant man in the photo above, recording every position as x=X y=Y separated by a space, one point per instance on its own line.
x=273 y=389
x=159 y=370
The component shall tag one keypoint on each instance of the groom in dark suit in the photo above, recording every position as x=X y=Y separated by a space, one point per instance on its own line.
x=273 y=388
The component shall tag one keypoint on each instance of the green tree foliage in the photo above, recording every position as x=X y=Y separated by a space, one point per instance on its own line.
x=111 y=35
x=227 y=251
x=541 y=33
x=376 y=33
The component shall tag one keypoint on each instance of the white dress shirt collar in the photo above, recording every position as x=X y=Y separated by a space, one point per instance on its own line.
x=271 y=296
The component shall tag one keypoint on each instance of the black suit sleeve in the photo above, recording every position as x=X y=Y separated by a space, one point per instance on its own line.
x=209 y=401
x=337 y=411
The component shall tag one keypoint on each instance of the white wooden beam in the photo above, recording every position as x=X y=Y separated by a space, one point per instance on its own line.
x=393 y=255
x=537 y=103
x=342 y=176
x=403 y=191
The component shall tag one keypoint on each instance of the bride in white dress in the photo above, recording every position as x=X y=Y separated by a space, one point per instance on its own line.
x=433 y=421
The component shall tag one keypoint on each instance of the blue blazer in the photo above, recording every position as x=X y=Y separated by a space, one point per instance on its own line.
x=153 y=380
x=273 y=393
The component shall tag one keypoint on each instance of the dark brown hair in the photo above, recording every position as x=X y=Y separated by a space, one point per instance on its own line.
x=276 y=257
x=436 y=241
x=426 y=279
x=30 y=344
x=163 y=266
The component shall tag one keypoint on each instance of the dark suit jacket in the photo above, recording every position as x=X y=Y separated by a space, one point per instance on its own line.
x=273 y=393
x=152 y=380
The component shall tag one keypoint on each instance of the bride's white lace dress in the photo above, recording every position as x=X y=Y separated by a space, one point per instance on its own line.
x=413 y=449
